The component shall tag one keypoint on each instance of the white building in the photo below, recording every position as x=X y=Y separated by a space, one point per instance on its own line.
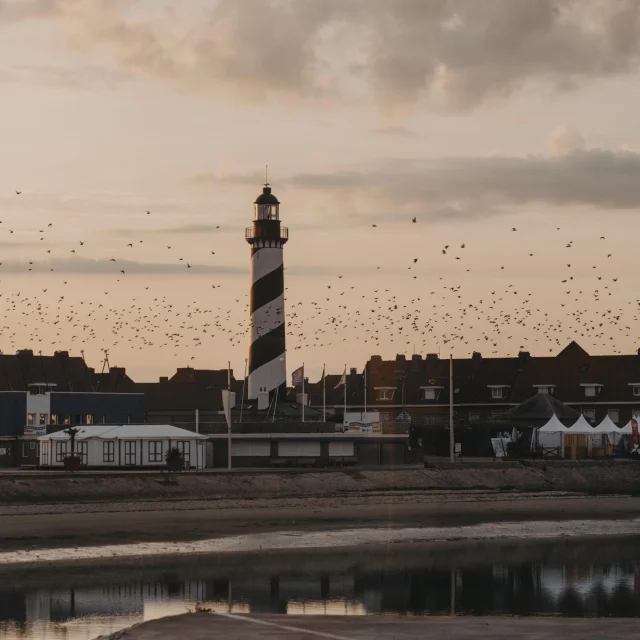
x=127 y=445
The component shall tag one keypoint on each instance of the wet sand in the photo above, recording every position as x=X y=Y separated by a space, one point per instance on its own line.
x=81 y=525
x=204 y=626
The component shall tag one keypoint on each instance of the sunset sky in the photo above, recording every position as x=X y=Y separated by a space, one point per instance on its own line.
x=474 y=117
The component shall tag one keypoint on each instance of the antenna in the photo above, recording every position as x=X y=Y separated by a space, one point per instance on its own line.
x=266 y=175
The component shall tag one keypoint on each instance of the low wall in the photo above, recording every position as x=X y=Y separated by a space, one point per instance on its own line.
x=586 y=477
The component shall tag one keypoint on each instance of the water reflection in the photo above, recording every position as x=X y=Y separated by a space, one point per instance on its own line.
x=81 y=612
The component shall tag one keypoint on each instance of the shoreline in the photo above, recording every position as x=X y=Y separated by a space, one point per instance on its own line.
x=42 y=527
x=326 y=541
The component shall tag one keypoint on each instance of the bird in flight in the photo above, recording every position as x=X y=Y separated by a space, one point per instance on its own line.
x=18 y=193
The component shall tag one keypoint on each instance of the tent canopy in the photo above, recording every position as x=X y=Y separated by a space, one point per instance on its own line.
x=627 y=428
x=553 y=426
x=581 y=426
x=606 y=426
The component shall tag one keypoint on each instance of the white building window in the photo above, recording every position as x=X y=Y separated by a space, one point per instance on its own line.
x=130 y=452
x=61 y=450
x=589 y=415
x=185 y=450
x=384 y=394
x=589 y=392
x=636 y=391
x=31 y=419
x=108 y=451
x=496 y=393
x=43 y=419
x=614 y=415
x=155 y=451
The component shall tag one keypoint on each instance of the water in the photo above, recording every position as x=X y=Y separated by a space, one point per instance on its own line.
x=558 y=578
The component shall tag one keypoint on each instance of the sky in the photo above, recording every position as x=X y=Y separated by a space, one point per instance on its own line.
x=474 y=118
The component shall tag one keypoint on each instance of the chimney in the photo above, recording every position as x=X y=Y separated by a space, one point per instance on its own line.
x=164 y=379
x=354 y=371
x=24 y=353
x=61 y=354
x=524 y=357
x=416 y=359
x=476 y=356
x=375 y=364
x=432 y=356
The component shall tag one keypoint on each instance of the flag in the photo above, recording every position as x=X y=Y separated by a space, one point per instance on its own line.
x=343 y=380
x=297 y=376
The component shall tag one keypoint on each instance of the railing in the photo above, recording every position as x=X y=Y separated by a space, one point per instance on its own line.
x=250 y=233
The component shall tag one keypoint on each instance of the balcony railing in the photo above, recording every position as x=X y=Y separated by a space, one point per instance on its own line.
x=250 y=233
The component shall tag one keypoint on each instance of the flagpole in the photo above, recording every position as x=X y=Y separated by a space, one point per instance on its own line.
x=324 y=395
x=365 y=391
x=344 y=415
x=229 y=403
x=303 y=392
x=451 y=435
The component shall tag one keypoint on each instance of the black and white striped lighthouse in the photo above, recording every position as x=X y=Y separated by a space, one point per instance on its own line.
x=267 y=365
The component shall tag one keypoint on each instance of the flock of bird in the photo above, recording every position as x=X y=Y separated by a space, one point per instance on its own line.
x=370 y=314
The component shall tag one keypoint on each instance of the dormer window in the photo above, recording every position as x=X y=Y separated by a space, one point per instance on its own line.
x=498 y=391
x=546 y=389
x=385 y=393
x=591 y=390
x=431 y=393
x=635 y=389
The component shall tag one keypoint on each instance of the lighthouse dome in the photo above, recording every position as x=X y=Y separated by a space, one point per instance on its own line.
x=266 y=197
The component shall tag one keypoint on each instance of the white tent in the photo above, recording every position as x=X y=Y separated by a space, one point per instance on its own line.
x=581 y=427
x=553 y=426
x=606 y=426
x=551 y=436
x=627 y=428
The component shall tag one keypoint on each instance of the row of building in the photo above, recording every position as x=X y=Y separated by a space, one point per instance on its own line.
x=45 y=394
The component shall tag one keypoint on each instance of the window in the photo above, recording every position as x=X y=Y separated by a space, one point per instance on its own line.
x=31 y=419
x=100 y=419
x=43 y=419
x=78 y=418
x=61 y=451
x=614 y=415
x=82 y=451
x=496 y=393
x=384 y=394
x=127 y=418
x=108 y=451
x=589 y=392
x=589 y=414
x=66 y=419
x=251 y=449
x=155 y=451
x=129 y=452
x=431 y=393
x=88 y=419
x=185 y=450
x=474 y=417
x=54 y=418
x=636 y=391
x=44 y=454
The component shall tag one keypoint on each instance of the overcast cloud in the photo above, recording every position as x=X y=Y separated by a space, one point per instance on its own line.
x=455 y=53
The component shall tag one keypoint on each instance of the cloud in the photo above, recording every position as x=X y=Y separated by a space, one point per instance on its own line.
x=395 y=131
x=565 y=140
x=85 y=266
x=453 y=53
x=453 y=188
x=88 y=77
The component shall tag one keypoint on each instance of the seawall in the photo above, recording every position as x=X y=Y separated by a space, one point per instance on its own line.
x=595 y=477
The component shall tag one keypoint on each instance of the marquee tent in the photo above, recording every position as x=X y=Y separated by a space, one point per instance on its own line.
x=581 y=427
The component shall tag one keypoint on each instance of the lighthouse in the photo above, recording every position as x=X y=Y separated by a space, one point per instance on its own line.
x=267 y=365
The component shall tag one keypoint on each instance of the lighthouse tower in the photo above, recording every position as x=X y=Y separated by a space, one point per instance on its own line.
x=267 y=365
